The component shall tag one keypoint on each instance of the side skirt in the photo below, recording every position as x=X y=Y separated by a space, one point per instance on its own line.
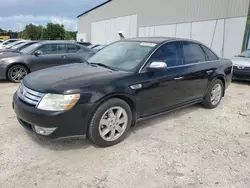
x=170 y=109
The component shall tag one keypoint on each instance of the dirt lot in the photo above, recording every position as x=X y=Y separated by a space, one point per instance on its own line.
x=192 y=147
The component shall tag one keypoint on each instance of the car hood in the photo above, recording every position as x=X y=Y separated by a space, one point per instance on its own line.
x=70 y=77
x=241 y=61
x=8 y=54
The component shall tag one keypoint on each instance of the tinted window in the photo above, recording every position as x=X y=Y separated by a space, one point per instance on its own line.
x=73 y=48
x=169 y=53
x=211 y=56
x=193 y=53
x=53 y=49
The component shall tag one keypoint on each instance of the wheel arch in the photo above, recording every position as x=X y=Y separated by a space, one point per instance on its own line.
x=125 y=97
x=222 y=79
x=13 y=64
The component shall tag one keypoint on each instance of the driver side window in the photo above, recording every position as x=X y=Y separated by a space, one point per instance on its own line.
x=169 y=53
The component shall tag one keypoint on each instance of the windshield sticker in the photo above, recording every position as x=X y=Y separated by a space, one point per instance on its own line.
x=148 y=44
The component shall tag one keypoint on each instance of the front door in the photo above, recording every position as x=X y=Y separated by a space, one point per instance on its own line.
x=51 y=55
x=162 y=89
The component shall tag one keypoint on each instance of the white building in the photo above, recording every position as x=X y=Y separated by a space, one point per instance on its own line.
x=220 y=24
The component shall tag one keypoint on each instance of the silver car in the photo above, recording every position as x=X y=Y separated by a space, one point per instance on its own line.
x=241 y=64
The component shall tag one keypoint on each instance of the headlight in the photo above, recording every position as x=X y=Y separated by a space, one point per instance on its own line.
x=57 y=102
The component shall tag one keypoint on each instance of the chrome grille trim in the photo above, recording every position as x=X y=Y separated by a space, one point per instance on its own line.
x=28 y=95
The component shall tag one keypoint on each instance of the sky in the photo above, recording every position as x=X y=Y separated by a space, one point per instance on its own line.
x=15 y=14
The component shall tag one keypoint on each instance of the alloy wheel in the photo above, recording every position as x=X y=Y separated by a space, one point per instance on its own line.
x=113 y=123
x=18 y=73
x=216 y=94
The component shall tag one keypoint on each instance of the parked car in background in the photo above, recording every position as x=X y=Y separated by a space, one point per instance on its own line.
x=127 y=81
x=84 y=43
x=14 y=44
x=16 y=65
x=241 y=64
x=3 y=44
x=1 y=41
x=18 y=47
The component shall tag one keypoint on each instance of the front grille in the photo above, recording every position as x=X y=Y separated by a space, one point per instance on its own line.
x=29 y=96
x=241 y=68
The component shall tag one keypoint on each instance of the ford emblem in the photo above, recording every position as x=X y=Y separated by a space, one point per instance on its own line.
x=240 y=67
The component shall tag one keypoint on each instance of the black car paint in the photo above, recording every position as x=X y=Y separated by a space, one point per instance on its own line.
x=160 y=91
x=36 y=62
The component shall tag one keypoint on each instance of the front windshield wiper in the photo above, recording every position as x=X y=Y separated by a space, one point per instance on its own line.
x=103 y=65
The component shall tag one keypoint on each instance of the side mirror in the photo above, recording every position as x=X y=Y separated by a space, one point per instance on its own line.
x=37 y=53
x=157 y=66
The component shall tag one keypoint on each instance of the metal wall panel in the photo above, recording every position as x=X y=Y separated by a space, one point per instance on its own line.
x=106 y=31
x=225 y=42
x=163 y=12
x=233 y=36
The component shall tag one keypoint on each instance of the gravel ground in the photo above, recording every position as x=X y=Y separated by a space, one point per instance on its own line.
x=192 y=147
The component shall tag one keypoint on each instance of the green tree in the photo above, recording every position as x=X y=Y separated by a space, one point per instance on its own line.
x=68 y=36
x=32 y=32
x=54 y=32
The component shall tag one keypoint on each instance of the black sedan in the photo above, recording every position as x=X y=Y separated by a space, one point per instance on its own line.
x=125 y=82
x=16 y=65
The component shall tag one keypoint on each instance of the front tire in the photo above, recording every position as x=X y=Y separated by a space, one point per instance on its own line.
x=110 y=123
x=214 y=94
x=16 y=73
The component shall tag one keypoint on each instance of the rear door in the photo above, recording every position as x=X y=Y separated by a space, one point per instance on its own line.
x=51 y=55
x=77 y=54
x=197 y=70
x=72 y=55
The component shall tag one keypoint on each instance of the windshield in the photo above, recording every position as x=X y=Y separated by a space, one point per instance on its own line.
x=30 y=48
x=123 y=55
x=14 y=44
x=245 y=54
x=18 y=45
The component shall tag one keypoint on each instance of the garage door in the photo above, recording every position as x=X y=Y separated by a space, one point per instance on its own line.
x=106 y=31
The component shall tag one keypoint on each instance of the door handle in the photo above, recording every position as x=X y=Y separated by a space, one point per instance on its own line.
x=179 y=78
x=209 y=71
x=64 y=57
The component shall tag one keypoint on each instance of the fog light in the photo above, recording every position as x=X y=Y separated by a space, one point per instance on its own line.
x=43 y=130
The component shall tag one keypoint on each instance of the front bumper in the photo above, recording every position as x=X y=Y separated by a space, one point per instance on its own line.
x=69 y=123
x=241 y=74
x=2 y=72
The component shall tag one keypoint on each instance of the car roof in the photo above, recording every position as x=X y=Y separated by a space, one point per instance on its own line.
x=158 y=40
x=150 y=39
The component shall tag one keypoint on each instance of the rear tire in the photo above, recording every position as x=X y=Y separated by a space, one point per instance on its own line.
x=110 y=123
x=16 y=73
x=214 y=94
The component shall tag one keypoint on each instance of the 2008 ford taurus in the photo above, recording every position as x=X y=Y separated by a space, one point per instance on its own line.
x=127 y=81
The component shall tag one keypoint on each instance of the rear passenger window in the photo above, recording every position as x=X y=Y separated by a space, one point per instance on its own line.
x=73 y=48
x=211 y=56
x=169 y=53
x=193 y=53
